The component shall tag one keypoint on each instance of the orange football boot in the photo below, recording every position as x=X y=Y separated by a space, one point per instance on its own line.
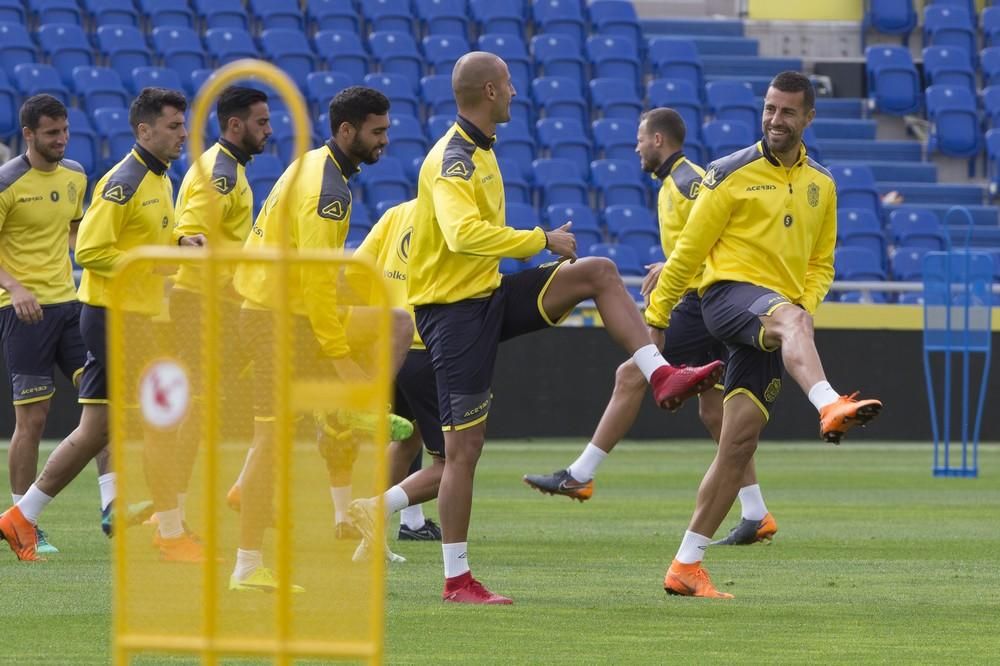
x=691 y=580
x=838 y=417
x=20 y=535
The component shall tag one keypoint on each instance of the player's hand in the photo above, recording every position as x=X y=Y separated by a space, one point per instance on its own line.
x=25 y=304
x=652 y=276
x=561 y=242
x=194 y=240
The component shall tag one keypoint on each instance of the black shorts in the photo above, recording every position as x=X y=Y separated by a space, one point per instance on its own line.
x=732 y=312
x=31 y=351
x=687 y=340
x=462 y=339
x=93 y=329
x=417 y=399
x=188 y=339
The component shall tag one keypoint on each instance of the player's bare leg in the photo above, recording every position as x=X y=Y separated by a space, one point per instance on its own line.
x=401 y=455
x=22 y=458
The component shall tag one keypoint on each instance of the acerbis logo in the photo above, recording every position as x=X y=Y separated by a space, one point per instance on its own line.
x=761 y=188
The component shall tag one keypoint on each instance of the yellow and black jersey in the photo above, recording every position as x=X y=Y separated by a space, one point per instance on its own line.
x=216 y=185
x=459 y=227
x=133 y=206
x=36 y=209
x=681 y=181
x=760 y=222
x=387 y=246
x=319 y=202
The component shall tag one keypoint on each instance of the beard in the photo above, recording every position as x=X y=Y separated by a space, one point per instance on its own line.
x=49 y=155
x=361 y=153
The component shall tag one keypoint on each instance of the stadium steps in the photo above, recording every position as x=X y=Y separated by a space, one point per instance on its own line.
x=982 y=216
x=861 y=150
x=692 y=27
x=840 y=107
x=911 y=172
x=843 y=128
x=945 y=194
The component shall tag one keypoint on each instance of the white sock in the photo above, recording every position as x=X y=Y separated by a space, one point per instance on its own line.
x=181 y=500
x=32 y=503
x=692 y=548
x=822 y=394
x=752 y=503
x=413 y=516
x=247 y=561
x=243 y=470
x=649 y=359
x=170 y=523
x=395 y=499
x=341 y=499
x=584 y=467
x=15 y=498
x=456 y=558
x=108 y=485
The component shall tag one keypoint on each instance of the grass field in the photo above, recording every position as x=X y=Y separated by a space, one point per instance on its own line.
x=874 y=562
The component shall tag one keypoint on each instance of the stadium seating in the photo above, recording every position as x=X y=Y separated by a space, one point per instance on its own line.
x=387 y=15
x=289 y=49
x=618 y=218
x=559 y=97
x=917 y=227
x=33 y=79
x=277 y=14
x=639 y=239
x=516 y=187
x=614 y=138
x=99 y=87
x=618 y=182
x=498 y=17
x=17 y=48
x=522 y=216
x=859 y=264
x=860 y=227
x=560 y=16
x=398 y=89
x=949 y=26
x=615 y=98
x=856 y=188
x=948 y=65
x=891 y=17
x=442 y=51
x=113 y=128
x=165 y=13
x=614 y=17
x=407 y=141
x=262 y=173
x=673 y=58
x=582 y=217
x=396 y=53
x=334 y=15
x=624 y=257
x=557 y=182
x=565 y=138
x=907 y=263
x=222 y=14
x=438 y=96
x=732 y=100
x=229 y=44
x=443 y=17
x=55 y=11
x=680 y=96
x=893 y=82
x=723 y=137
x=85 y=146
x=514 y=52
x=112 y=12
x=615 y=57
x=514 y=142
x=12 y=11
x=66 y=46
x=9 y=123
x=180 y=47
x=991 y=26
x=955 y=117
x=385 y=180
x=322 y=86
x=993 y=160
x=343 y=53
x=123 y=48
x=559 y=55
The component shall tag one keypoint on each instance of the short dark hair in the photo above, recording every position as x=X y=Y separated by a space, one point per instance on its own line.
x=793 y=82
x=235 y=102
x=37 y=106
x=148 y=105
x=667 y=122
x=354 y=104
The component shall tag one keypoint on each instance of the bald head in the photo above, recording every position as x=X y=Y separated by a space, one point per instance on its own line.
x=471 y=74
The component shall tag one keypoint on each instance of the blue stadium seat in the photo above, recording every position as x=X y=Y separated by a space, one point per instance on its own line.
x=33 y=79
x=620 y=217
x=444 y=17
x=618 y=182
x=522 y=216
x=948 y=65
x=726 y=136
x=856 y=188
x=407 y=141
x=439 y=124
x=155 y=77
x=917 y=227
x=615 y=138
x=656 y=255
x=198 y=78
x=441 y=52
x=180 y=48
x=639 y=239
x=397 y=53
x=386 y=179
x=333 y=15
x=398 y=89
x=908 y=263
x=557 y=182
x=893 y=81
x=344 y=53
x=891 y=17
x=228 y=44
x=515 y=142
x=222 y=14
x=565 y=138
x=273 y=14
x=624 y=257
x=989 y=62
x=676 y=58
x=84 y=146
x=516 y=187
x=262 y=173
x=682 y=97
x=66 y=46
x=438 y=96
x=991 y=26
x=560 y=98
x=560 y=16
x=9 y=122
x=381 y=207
x=289 y=49
x=322 y=86
x=113 y=128
x=950 y=26
x=514 y=52
x=840 y=128
x=55 y=11
x=732 y=100
x=860 y=227
x=112 y=12
x=582 y=217
x=387 y=15
x=615 y=17
x=559 y=55
x=858 y=263
x=12 y=11
x=99 y=87
x=499 y=17
x=616 y=98
x=123 y=48
x=955 y=117
x=165 y=13
x=283 y=137
x=615 y=57
x=17 y=47
x=993 y=160
x=991 y=105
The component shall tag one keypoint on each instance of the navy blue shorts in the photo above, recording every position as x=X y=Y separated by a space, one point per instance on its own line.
x=687 y=340
x=31 y=351
x=188 y=339
x=732 y=312
x=417 y=399
x=93 y=329
x=462 y=339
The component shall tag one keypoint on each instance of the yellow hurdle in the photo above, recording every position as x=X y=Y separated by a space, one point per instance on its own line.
x=162 y=398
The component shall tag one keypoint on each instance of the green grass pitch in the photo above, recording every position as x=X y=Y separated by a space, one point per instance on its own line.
x=874 y=562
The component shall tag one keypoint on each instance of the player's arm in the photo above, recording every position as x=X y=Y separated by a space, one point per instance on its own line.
x=359 y=280
x=819 y=274
x=25 y=304
x=711 y=212
x=200 y=205
x=464 y=230
x=316 y=231
x=98 y=236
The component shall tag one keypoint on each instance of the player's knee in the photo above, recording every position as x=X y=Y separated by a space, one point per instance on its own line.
x=31 y=420
x=602 y=272
x=793 y=322
x=738 y=450
x=711 y=418
x=402 y=325
x=628 y=378
x=464 y=448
